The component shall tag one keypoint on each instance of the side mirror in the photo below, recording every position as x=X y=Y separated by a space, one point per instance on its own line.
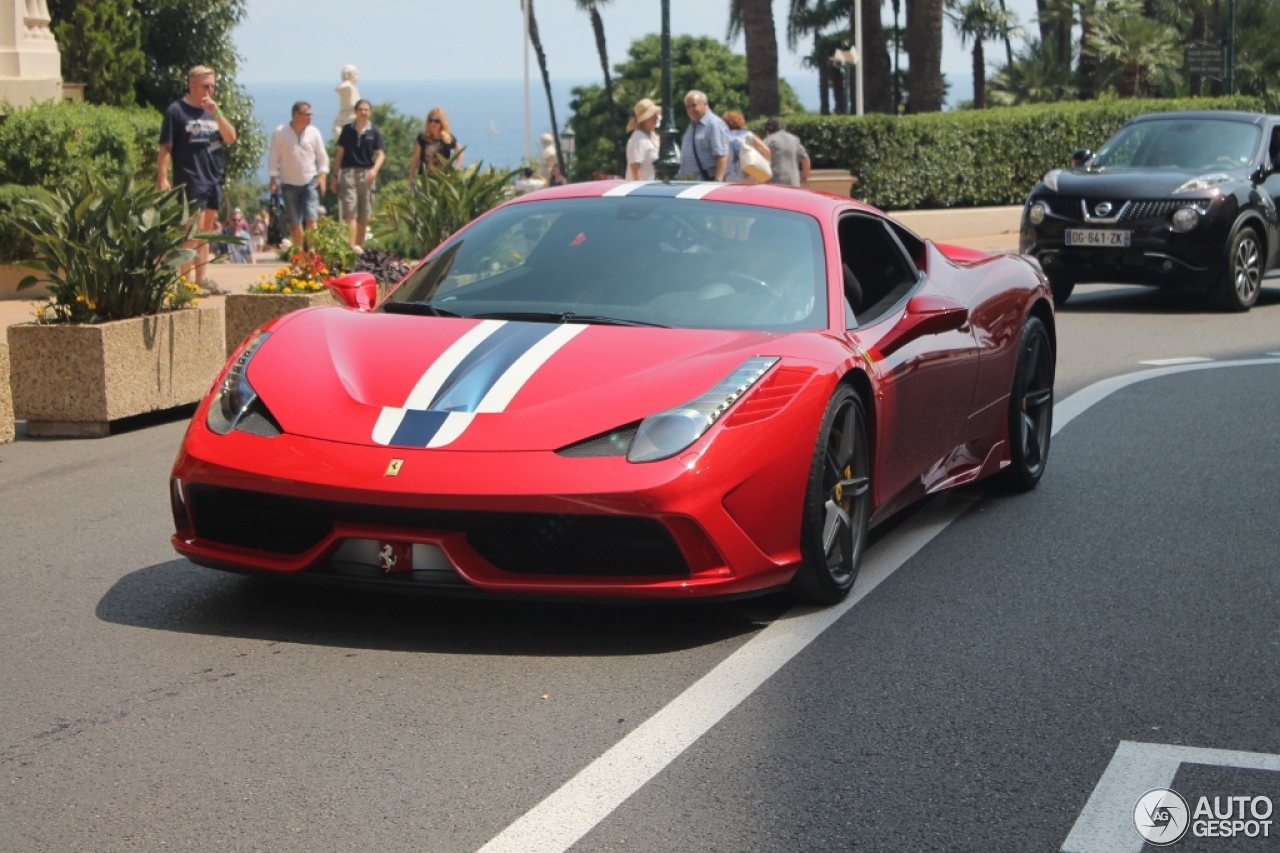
x=358 y=290
x=926 y=315
x=1079 y=157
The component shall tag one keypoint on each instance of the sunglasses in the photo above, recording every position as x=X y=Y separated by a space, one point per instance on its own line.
x=211 y=85
x=434 y=121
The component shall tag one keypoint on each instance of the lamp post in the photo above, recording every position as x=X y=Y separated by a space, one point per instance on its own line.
x=567 y=142
x=845 y=57
x=667 y=166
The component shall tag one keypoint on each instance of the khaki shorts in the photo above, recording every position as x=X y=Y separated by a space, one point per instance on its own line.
x=355 y=194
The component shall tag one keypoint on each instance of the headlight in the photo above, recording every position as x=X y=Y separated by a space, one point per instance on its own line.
x=665 y=434
x=1050 y=179
x=1203 y=182
x=1185 y=218
x=1037 y=212
x=234 y=396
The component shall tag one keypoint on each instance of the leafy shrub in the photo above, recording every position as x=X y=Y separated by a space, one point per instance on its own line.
x=387 y=267
x=109 y=250
x=441 y=203
x=976 y=157
x=331 y=240
x=15 y=244
x=52 y=145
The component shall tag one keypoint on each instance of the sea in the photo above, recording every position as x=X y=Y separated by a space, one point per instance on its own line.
x=487 y=116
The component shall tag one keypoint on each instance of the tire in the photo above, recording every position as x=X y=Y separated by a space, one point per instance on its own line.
x=1241 y=281
x=1030 y=409
x=837 y=504
x=1061 y=290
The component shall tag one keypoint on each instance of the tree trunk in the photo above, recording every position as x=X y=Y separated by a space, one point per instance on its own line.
x=1129 y=80
x=1008 y=40
x=979 y=76
x=824 y=78
x=877 y=73
x=762 y=58
x=1199 y=28
x=546 y=84
x=924 y=46
x=619 y=157
x=838 y=88
x=1087 y=69
x=1048 y=29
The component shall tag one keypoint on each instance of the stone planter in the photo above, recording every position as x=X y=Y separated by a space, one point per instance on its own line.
x=6 y=397
x=76 y=380
x=248 y=311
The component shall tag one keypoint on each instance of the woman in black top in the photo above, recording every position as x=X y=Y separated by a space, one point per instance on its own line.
x=436 y=144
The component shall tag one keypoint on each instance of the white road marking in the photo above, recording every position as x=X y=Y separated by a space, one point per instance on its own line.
x=1277 y=354
x=555 y=824
x=1106 y=824
x=1169 y=362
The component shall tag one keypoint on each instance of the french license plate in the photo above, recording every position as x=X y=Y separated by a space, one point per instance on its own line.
x=1096 y=237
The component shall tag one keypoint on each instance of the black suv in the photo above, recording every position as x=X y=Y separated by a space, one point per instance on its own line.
x=1185 y=200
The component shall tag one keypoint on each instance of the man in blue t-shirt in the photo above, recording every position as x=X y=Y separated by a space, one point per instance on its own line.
x=192 y=135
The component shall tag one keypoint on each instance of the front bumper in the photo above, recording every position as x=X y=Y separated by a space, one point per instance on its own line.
x=530 y=523
x=1157 y=255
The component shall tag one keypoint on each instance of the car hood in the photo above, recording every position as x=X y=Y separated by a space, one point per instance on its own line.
x=411 y=381
x=1125 y=184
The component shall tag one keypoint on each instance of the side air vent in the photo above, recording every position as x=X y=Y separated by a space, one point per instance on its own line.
x=613 y=443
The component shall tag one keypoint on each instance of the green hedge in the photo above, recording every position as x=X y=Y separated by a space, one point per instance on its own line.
x=50 y=144
x=14 y=244
x=972 y=158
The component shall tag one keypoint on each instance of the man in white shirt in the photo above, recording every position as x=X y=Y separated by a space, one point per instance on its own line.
x=298 y=166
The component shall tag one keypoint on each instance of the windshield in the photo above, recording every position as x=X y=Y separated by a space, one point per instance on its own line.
x=681 y=263
x=1196 y=145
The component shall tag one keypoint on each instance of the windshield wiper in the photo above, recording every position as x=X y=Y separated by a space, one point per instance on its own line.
x=419 y=308
x=565 y=317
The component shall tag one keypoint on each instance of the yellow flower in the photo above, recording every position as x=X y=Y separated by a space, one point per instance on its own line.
x=288 y=290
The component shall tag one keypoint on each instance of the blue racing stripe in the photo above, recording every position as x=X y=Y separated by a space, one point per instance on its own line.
x=660 y=190
x=418 y=427
x=466 y=386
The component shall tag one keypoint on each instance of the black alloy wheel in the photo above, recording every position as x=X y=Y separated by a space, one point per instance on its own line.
x=1241 y=280
x=837 y=504
x=1030 y=409
x=1061 y=288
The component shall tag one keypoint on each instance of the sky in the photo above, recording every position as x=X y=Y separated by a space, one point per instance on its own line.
x=482 y=39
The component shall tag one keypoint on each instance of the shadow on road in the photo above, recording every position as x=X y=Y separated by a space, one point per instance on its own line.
x=1136 y=299
x=178 y=596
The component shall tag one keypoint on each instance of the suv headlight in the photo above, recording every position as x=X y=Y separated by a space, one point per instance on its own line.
x=1037 y=212
x=1185 y=218
x=234 y=395
x=1203 y=182
x=665 y=434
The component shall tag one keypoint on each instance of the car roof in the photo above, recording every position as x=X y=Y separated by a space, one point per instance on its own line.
x=1210 y=115
x=777 y=196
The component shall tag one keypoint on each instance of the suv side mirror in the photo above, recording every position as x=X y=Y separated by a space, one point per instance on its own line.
x=1080 y=156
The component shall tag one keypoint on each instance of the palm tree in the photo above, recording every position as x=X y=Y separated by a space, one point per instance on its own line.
x=1258 y=47
x=1036 y=76
x=924 y=46
x=592 y=7
x=1087 y=64
x=754 y=19
x=536 y=40
x=1148 y=53
x=979 y=21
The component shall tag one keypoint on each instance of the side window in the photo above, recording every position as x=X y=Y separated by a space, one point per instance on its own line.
x=877 y=272
x=1274 y=149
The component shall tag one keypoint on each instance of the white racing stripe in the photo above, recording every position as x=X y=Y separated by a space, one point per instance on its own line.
x=555 y=824
x=429 y=385
x=513 y=379
x=698 y=191
x=625 y=189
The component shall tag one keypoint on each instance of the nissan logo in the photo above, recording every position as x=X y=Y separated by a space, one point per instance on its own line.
x=1102 y=209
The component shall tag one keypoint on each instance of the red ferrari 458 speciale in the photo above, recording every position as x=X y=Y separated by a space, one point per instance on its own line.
x=624 y=389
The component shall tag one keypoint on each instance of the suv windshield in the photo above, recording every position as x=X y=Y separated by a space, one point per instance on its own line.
x=1194 y=144
x=646 y=261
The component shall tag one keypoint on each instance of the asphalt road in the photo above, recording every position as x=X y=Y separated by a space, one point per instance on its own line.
x=971 y=701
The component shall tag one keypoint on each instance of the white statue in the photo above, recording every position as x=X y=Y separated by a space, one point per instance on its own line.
x=547 y=160
x=348 y=95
